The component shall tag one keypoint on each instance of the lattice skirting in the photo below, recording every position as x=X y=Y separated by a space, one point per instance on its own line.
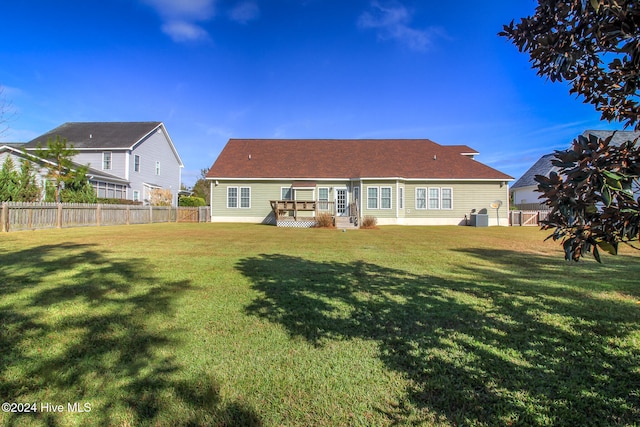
x=297 y=224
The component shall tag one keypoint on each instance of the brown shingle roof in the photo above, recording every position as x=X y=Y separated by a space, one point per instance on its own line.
x=347 y=158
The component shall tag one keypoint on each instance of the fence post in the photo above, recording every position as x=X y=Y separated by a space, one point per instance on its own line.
x=98 y=213
x=128 y=214
x=4 y=217
x=59 y=218
x=150 y=214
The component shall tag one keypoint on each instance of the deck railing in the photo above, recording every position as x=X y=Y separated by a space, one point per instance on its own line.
x=301 y=208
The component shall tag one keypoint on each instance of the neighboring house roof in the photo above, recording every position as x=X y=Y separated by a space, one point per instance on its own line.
x=544 y=167
x=103 y=135
x=96 y=175
x=88 y=135
x=12 y=144
x=349 y=158
x=620 y=136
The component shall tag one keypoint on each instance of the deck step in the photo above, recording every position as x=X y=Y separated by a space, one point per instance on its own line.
x=344 y=222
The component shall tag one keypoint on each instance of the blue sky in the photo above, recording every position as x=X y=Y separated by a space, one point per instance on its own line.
x=218 y=69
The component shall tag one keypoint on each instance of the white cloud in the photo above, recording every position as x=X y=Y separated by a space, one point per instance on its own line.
x=181 y=31
x=244 y=12
x=181 y=17
x=392 y=22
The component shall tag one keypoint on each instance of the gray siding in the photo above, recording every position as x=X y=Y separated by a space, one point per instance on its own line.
x=94 y=160
x=155 y=148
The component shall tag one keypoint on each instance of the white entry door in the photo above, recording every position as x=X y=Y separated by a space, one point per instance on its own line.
x=341 y=202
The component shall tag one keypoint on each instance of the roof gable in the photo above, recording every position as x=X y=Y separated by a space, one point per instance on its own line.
x=346 y=159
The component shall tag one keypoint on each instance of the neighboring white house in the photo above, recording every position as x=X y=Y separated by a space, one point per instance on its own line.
x=523 y=191
x=126 y=159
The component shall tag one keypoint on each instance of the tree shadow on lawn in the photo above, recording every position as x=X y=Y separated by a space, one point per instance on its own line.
x=495 y=347
x=74 y=329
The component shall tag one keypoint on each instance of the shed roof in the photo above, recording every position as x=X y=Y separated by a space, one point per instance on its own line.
x=348 y=159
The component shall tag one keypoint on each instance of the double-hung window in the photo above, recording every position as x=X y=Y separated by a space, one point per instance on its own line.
x=106 y=160
x=245 y=197
x=286 y=193
x=158 y=167
x=238 y=197
x=447 y=198
x=434 y=198
x=385 y=197
x=378 y=197
x=421 y=198
x=372 y=197
x=400 y=197
x=232 y=197
x=323 y=198
x=136 y=163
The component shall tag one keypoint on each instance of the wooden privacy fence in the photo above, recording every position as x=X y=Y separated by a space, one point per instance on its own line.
x=32 y=216
x=522 y=218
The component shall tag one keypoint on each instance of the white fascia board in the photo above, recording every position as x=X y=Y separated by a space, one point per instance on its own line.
x=435 y=179
x=278 y=179
x=163 y=129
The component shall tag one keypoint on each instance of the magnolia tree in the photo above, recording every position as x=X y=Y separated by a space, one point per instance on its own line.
x=594 y=45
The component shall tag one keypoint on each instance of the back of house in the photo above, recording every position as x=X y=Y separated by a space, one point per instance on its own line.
x=397 y=181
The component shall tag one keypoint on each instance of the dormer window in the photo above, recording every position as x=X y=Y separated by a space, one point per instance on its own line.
x=106 y=160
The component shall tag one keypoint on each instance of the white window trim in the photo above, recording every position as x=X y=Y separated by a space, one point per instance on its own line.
x=289 y=189
x=400 y=197
x=429 y=198
x=390 y=198
x=377 y=198
x=238 y=197
x=426 y=198
x=158 y=167
x=442 y=198
x=328 y=194
x=104 y=154
x=139 y=163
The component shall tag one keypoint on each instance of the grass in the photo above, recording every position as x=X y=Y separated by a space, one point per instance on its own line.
x=225 y=325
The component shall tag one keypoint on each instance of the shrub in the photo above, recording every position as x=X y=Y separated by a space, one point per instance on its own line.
x=324 y=220
x=191 y=201
x=160 y=197
x=369 y=221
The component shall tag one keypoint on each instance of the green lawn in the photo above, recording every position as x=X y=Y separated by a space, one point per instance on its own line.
x=238 y=325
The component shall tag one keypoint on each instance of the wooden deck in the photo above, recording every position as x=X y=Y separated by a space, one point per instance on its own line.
x=287 y=212
x=300 y=208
